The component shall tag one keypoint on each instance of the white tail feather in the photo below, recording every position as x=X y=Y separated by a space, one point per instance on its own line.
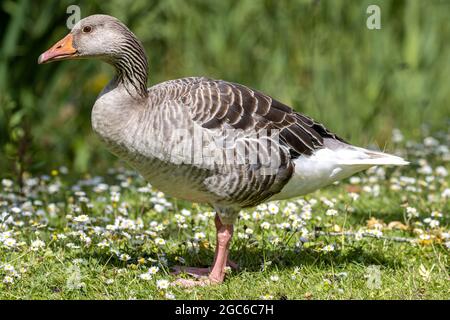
x=360 y=156
x=327 y=165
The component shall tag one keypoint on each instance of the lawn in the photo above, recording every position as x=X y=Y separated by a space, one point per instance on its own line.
x=383 y=234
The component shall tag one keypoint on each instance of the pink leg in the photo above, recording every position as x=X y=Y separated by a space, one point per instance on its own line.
x=217 y=275
x=224 y=234
x=218 y=223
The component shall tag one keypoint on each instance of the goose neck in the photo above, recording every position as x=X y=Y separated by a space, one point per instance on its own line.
x=131 y=67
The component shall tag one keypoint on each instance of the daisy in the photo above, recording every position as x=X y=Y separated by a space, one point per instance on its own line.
x=124 y=257
x=249 y=231
x=162 y=284
x=274 y=278
x=436 y=214
x=103 y=244
x=146 y=276
x=265 y=225
x=241 y=235
x=144 y=190
x=153 y=270
x=256 y=215
x=331 y=212
x=8 y=280
x=10 y=242
x=353 y=196
x=8 y=267
x=158 y=208
x=185 y=212
x=115 y=197
x=81 y=219
x=179 y=218
x=244 y=216
x=434 y=223
x=273 y=208
x=446 y=193
x=170 y=296
x=7 y=183
x=430 y=142
x=441 y=171
x=412 y=212
x=199 y=236
x=160 y=241
x=16 y=210
x=37 y=244
x=328 y=248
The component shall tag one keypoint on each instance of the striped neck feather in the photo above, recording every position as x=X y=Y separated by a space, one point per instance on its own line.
x=131 y=66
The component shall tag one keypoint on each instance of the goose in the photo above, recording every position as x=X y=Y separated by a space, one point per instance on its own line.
x=205 y=140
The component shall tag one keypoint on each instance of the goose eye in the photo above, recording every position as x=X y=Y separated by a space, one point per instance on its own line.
x=87 y=29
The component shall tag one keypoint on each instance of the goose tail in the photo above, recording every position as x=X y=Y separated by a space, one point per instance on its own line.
x=361 y=157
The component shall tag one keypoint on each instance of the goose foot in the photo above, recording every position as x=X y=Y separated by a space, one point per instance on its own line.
x=233 y=265
x=189 y=283
x=192 y=271
x=200 y=272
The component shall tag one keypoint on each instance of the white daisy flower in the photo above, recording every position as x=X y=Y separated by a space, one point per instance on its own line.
x=162 y=284
x=7 y=183
x=37 y=244
x=153 y=270
x=10 y=242
x=328 y=248
x=412 y=212
x=146 y=276
x=273 y=208
x=274 y=278
x=199 y=236
x=81 y=219
x=170 y=296
x=331 y=212
x=8 y=280
x=185 y=212
x=265 y=225
x=124 y=257
x=249 y=231
x=160 y=241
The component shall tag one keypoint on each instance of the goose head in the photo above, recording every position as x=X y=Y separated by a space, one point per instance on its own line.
x=105 y=38
x=97 y=36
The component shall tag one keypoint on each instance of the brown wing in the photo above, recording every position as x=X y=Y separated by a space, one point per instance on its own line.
x=217 y=103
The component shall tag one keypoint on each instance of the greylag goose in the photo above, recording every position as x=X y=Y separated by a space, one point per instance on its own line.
x=204 y=140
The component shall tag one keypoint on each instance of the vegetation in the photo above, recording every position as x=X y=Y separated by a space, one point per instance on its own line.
x=75 y=225
x=317 y=56
x=380 y=235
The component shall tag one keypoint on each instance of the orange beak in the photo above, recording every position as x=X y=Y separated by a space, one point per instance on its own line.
x=61 y=50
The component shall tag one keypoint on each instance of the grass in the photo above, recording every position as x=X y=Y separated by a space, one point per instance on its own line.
x=67 y=236
x=97 y=237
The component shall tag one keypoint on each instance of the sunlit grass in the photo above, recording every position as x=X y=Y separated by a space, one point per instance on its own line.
x=379 y=235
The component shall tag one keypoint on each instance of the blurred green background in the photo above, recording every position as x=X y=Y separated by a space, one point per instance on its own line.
x=317 y=56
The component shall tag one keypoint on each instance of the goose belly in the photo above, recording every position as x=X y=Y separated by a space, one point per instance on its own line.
x=176 y=180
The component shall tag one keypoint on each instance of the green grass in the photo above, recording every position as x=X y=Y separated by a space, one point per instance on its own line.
x=316 y=56
x=274 y=263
